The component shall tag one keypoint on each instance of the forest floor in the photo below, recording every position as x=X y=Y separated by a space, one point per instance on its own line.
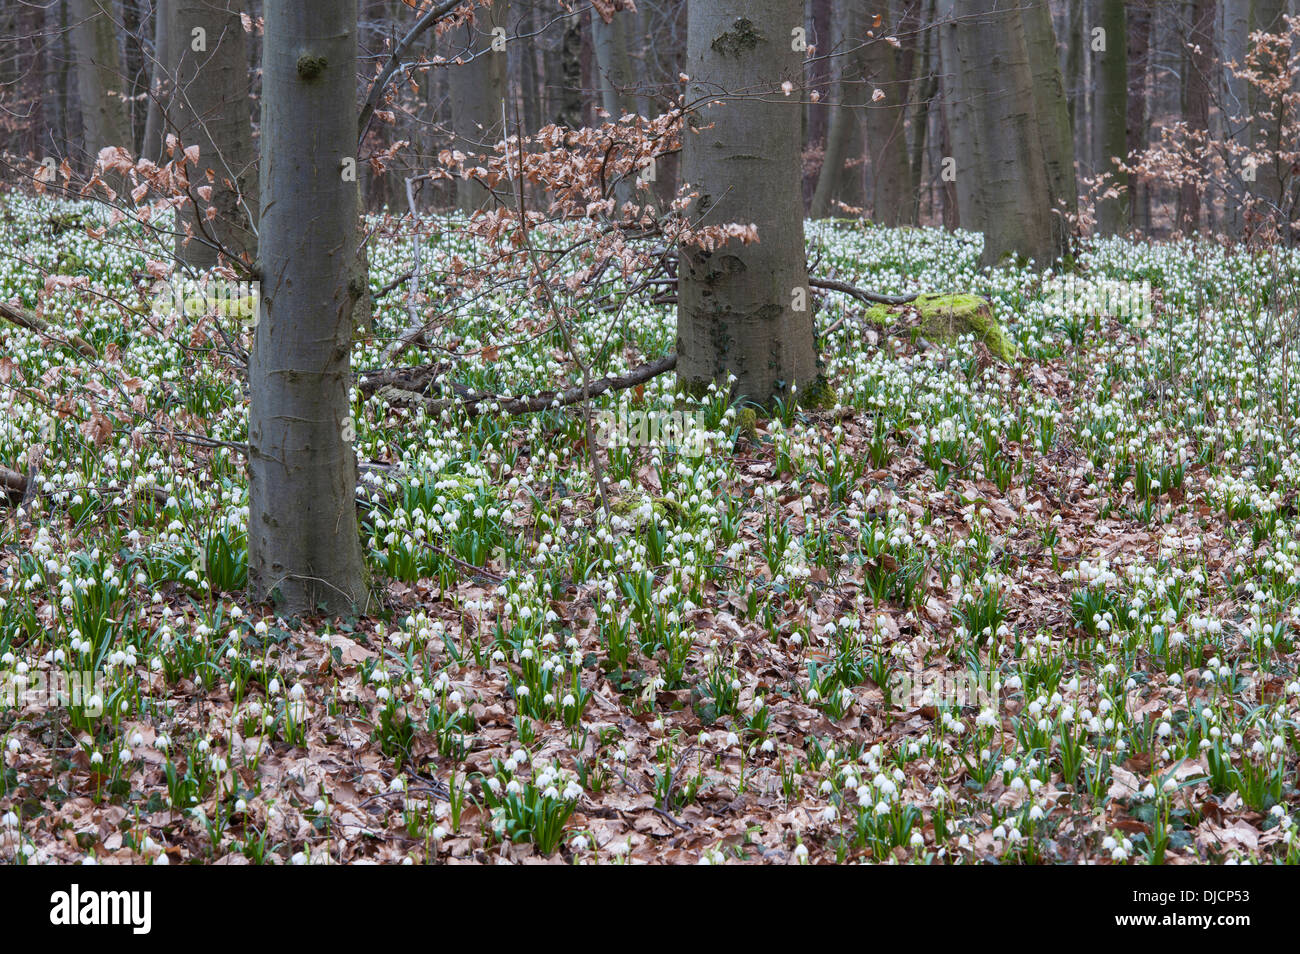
x=1033 y=610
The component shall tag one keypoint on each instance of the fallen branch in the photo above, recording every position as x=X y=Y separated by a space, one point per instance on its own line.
x=15 y=483
x=12 y=481
x=830 y=284
x=538 y=402
x=401 y=279
x=34 y=322
x=481 y=572
x=416 y=378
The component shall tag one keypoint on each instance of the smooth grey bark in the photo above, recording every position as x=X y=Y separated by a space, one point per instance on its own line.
x=137 y=77
x=836 y=180
x=838 y=184
x=950 y=207
x=209 y=108
x=155 y=127
x=478 y=90
x=616 y=79
x=304 y=549
x=1002 y=181
x=100 y=80
x=1234 y=30
x=738 y=305
x=1136 y=123
x=639 y=51
x=569 y=74
x=69 y=126
x=1265 y=133
x=1196 y=100
x=35 y=19
x=1112 y=110
x=819 y=73
x=614 y=66
x=883 y=123
x=530 y=75
x=927 y=87
x=1053 y=112
x=1073 y=67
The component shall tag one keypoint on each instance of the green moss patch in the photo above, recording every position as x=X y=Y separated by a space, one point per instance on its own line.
x=945 y=318
x=819 y=395
x=740 y=39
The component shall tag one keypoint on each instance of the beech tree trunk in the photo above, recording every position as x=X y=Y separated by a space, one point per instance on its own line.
x=1265 y=133
x=819 y=72
x=160 y=83
x=840 y=183
x=927 y=87
x=209 y=108
x=1235 y=115
x=745 y=309
x=478 y=90
x=136 y=76
x=616 y=80
x=100 y=79
x=613 y=65
x=950 y=207
x=1112 y=109
x=1196 y=100
x=1053 y=112
x=530 y=75
x=1002 y=179
x=570 y=101
x=304 y=548
x=1137 y=126
x=883 y=122
x=1076 y=42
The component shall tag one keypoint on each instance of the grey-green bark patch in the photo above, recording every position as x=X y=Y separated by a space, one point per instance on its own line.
x=741 y=38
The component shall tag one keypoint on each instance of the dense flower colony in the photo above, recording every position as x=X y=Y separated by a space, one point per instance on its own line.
x=1032 y=611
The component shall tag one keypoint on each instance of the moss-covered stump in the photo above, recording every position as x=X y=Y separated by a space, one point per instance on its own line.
x=819 y=395
x=747 y=423
x=638 y=507
x=945 y=318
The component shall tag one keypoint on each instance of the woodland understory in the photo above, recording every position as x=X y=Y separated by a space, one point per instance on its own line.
x=966 y=606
